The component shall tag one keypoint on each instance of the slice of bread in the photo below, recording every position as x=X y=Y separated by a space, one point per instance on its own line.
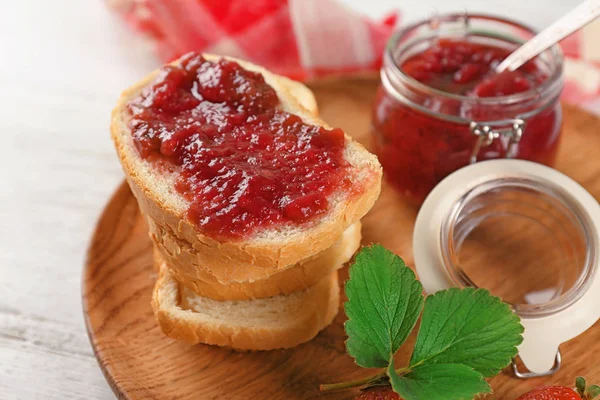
x=186 y=258
x=299 y=277
x=302 y=94
x=263 y=324
x=278 y=247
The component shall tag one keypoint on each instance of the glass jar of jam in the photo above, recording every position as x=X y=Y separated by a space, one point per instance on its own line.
x=441 y=106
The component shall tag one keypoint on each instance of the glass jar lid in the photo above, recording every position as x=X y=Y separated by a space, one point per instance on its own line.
x=527 y=233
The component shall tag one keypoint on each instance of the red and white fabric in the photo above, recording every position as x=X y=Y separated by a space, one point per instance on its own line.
x=312 y=39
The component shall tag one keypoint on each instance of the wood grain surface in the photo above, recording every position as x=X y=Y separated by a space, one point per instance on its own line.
x=139 y=362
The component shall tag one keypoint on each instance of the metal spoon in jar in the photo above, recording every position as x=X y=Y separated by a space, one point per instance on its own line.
x=575 y=19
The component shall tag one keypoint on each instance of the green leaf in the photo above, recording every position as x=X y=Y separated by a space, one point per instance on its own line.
x=439 y=382
x=467 y=326
x=593 y=391
x=580 y=385
x=384 y=302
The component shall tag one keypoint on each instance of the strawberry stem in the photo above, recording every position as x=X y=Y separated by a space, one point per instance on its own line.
x=361 y=382
x=352 y=384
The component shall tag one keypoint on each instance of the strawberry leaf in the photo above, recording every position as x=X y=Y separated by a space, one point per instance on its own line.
x=580 y=385
x=384 y=303
x=593 y=391
x=467 y=326
x=439 y=382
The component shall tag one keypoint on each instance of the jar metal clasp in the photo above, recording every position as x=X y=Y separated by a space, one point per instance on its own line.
x=529 y=374
x=487 y=133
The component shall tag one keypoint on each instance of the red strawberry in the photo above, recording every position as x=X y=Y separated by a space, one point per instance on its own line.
x=378 y=393
x=563 y=393
x=551 y=393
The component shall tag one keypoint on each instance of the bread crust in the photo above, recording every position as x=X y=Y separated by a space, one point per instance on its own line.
x=317 y=307
x=296 y=278
x=279 y=251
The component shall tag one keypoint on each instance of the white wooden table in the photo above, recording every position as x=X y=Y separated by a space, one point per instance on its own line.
x=62 y=65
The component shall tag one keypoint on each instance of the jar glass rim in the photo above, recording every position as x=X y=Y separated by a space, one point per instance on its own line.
x=573 y=210
x=554 y=81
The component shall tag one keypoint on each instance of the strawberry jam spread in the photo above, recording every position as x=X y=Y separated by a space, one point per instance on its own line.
x=467 y=68
x=418 y=149
x=241 y=161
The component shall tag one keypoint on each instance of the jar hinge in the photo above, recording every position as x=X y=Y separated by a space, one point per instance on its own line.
x=486 y=134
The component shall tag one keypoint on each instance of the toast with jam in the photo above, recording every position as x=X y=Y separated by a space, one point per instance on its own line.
x=252 y=201
x=247 y=213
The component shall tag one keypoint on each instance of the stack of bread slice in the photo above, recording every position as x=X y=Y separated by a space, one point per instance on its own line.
x=275 y=289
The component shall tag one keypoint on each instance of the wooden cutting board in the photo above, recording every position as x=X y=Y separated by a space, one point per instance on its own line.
x=139 y=362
